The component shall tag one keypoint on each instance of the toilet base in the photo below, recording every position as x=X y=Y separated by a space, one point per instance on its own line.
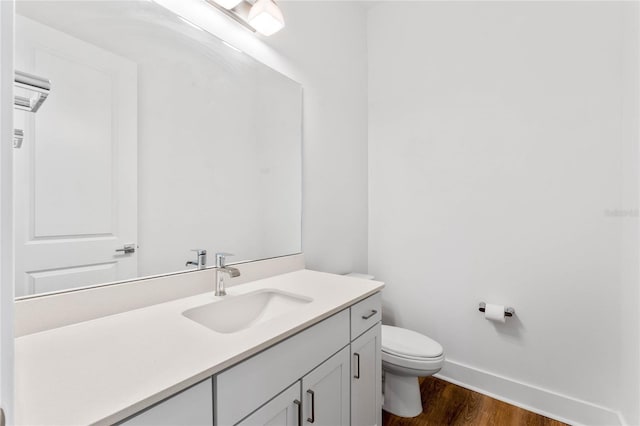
x=402 y=395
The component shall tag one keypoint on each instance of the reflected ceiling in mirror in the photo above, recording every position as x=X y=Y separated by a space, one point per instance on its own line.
x=156 y=136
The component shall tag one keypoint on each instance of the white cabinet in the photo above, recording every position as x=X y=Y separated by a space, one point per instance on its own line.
x=247 y=386
x=326 y=392
x=191 y=407
x=283 y=410
x=366 y=378
x=340 y=389
x=335 y=367
x=320 y=398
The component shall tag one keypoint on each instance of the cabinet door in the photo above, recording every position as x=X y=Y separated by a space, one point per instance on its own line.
x=366 y=378
x=325 y=392
x=266 y=374
x=283 y=410
x=192 y=407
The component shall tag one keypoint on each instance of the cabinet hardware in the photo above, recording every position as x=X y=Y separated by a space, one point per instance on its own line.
x=366 y=317
x=312 y=419
x=299 y=405
x=357 y=375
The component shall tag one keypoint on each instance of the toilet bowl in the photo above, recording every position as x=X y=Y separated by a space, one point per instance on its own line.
x=407 y=355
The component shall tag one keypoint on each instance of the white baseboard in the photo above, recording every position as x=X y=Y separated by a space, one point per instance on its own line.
x=541 y=401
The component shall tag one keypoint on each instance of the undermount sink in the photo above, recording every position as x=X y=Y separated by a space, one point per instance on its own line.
x=236 y=313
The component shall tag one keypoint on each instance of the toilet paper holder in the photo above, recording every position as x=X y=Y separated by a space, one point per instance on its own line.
x=508 y=311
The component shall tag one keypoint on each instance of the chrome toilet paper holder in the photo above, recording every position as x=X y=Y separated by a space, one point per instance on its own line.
x=508 y=311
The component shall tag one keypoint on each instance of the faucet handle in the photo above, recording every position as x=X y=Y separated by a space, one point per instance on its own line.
x=221 y=258
x=201 y=259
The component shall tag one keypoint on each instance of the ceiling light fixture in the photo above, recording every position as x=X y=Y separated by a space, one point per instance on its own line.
x=266 y=17
x=263 y=16
x=228 y=4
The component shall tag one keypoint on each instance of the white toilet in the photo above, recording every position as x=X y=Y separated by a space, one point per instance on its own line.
x=407 y=355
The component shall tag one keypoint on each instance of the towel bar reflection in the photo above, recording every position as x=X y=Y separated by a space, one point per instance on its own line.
x=508 y=311
x=33 y=83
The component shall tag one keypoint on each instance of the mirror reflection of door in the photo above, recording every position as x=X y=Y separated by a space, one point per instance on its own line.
x=82 y=141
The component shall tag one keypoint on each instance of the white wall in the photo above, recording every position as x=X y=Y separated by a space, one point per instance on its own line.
x=629 y=403
x=331 y=66
x=501 y=137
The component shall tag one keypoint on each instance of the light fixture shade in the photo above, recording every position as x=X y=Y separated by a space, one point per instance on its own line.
x=228 y=4
x=266 y=17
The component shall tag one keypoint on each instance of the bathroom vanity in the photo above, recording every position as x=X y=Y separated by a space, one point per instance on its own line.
x=301 y=347
x=151 y=343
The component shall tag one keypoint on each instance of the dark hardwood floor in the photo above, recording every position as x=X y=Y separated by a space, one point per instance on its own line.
x=447 y=404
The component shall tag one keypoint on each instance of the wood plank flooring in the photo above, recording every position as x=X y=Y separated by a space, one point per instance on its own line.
x=447 y=404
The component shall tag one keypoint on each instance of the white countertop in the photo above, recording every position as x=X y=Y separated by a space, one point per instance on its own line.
x=104 y=370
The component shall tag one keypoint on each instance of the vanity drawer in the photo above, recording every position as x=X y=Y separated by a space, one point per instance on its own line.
x=242 y=389
x=365 y=314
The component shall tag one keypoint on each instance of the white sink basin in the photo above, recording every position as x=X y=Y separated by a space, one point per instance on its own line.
x=236 y=313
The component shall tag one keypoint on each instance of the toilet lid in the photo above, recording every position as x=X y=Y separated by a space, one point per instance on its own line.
x=408 y=343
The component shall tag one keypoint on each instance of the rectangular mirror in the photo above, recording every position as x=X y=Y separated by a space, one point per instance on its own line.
x=155 y=136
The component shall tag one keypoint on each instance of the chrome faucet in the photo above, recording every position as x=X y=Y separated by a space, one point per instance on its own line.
x=222 y=269
x=201 y=259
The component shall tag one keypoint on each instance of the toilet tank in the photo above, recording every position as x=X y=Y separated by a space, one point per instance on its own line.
x=359 y=275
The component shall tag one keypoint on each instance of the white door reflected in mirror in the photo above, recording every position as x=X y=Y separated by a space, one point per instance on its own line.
x=77 y=201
